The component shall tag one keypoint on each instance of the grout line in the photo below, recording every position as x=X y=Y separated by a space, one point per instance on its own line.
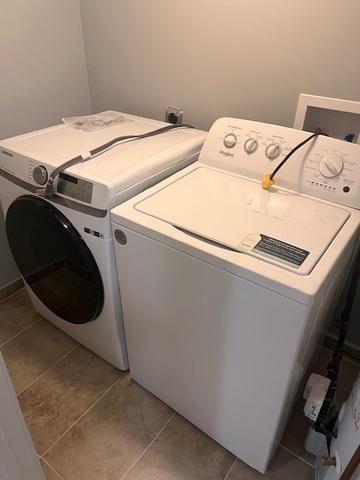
x=134 y=463
x=19 y=333
x=85 y=412
x=52 y=468
x=230 y=469
x=11 y=294
x=297 y=456
x=47 y=369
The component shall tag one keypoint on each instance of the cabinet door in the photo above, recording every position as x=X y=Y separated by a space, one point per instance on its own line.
x=18 y=460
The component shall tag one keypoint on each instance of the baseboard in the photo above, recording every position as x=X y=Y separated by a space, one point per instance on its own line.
x=11 y=288
x=330 y=342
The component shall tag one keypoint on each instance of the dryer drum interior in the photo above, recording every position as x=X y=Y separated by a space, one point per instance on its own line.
x=54 y=260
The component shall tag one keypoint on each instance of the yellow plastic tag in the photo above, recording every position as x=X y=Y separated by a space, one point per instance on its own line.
x=267 y=182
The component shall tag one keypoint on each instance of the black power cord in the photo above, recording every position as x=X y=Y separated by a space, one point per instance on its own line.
x=328 y=414
x=292 y=151
x=268 y=179
x=48 y=190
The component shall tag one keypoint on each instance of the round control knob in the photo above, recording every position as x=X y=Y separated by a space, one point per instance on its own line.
x=251 y=145
x=272 y=151
x=331 y=166
x=40 y=175
x=230 y=140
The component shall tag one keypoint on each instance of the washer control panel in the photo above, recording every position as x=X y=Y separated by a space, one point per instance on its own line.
x=324 y=167
x=75 y=187
x=332 y=170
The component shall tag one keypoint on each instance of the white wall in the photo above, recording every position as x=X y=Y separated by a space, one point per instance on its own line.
x=42 y=75
x=354 y=326
x=247 y=58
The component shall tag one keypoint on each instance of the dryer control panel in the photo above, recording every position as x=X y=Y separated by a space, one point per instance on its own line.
x=324 y=167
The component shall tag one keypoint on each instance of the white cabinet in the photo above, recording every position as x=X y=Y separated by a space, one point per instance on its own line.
x=18 y=459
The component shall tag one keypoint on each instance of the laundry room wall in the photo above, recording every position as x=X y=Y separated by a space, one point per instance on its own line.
x=43 y=76
x=354 y=326
x=248 y=58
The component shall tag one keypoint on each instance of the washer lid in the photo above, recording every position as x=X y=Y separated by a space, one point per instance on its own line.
x=277 y=226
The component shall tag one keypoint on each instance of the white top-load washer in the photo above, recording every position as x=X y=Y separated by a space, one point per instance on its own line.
x=236 y=281
x=63 y=246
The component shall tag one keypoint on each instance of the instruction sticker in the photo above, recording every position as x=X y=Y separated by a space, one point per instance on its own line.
x=284 y=251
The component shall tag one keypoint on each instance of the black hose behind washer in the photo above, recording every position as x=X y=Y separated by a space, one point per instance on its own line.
x=328 y=414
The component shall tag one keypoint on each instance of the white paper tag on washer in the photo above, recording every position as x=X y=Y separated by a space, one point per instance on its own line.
x=250 y=241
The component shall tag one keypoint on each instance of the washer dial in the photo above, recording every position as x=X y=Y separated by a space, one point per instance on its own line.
x=331 y=166
x=272 y=151
x=230 y=140
x=251 y=145
x=40 y=175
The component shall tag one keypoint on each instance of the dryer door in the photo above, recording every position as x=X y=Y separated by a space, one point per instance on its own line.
x=54 y=260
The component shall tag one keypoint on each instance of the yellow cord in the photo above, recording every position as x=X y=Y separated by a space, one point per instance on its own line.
x=267 y=182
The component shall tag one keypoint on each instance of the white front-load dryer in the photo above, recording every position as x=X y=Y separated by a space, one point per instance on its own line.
x=63 y=246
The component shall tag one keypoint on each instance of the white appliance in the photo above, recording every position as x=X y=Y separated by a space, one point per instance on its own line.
x=236 y=281
x=18 y=459
x=64 y=247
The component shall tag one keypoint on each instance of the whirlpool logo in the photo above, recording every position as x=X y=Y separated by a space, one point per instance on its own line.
x=225 y=154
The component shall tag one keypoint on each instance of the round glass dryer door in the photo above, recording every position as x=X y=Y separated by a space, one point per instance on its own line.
x=54 y=260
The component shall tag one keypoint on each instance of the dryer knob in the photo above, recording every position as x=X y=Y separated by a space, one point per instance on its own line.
x=251 y=145
x=40 y=175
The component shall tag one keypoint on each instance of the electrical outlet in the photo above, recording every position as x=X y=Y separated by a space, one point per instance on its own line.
x=174 y=115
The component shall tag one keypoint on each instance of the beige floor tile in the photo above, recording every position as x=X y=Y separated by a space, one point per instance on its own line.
x=16 y=313
x=183 y=452
x=53 y=403
x=111 y=436
x=50 y=474
x=11 y=288
x=295 y=434
x=284 y=467
x=33 y=351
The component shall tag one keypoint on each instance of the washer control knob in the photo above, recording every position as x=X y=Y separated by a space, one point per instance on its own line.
x=272 y=151
x=251 y=145
x=230 y=140
x=330 y=166
x=40 y=175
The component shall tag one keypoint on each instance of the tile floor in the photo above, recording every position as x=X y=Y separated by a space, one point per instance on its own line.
x=91 y=421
